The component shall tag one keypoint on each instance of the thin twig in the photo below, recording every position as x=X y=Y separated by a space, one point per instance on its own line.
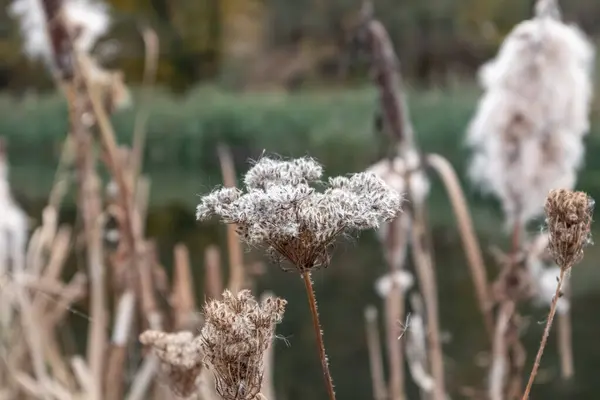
x=551 y=314
x=375 y=359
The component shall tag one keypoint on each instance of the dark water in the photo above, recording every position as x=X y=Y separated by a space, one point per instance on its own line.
x=347 y=287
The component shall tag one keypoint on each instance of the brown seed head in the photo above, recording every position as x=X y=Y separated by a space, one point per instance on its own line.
x=181 y=359
x=569 y=219
x=237 y=332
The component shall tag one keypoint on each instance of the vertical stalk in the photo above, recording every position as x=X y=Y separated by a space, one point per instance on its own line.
x=426 y=275
x=90 y=208
x=395 y=246
x=565 y=348
x=468 y=237
x=551 y=314
x=312 y=302
x=374 y=347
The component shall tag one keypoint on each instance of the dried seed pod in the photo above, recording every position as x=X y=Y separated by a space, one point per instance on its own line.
x=569 y=219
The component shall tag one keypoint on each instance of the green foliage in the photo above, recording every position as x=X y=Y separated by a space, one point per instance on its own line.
x=183 y=133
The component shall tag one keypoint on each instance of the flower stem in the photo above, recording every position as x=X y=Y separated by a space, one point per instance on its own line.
x=312 y=302
x=538 y=357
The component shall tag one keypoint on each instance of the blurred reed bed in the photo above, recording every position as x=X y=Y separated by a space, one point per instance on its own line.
x=525 y=139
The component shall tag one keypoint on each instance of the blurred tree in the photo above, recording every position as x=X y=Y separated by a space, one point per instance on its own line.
x=293 y=41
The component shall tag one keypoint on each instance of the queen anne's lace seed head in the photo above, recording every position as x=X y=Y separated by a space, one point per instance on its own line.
x=237 y=332
x=282 y=211
x=181 y=359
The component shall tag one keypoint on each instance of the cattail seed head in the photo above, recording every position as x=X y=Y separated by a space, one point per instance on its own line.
x=237 y=332
x=527 y=134
x=569 y=219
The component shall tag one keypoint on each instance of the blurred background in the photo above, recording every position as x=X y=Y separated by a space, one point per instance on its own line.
x=283 y=76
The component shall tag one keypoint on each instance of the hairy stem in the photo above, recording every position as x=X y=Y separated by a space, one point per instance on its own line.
x=312 y=302
x=538 y=357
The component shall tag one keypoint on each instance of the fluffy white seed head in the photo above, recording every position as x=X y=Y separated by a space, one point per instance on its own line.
x=295 y=221
x=526 y=135
x=88 y=18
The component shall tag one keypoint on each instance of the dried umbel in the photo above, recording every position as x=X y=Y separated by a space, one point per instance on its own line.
x=569 y=219
x=237 y=332
x=297 y=223
x=181 y=359
x=527 y=133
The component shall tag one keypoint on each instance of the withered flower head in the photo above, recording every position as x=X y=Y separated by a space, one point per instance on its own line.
x=283 y=211
x=569 y=219
x=181 y=359
x=237 y=332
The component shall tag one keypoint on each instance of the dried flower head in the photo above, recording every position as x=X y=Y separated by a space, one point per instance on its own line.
x=527 y=133
x=181 y=359
x=298 y=224
x=237 y=332
x=569 y=219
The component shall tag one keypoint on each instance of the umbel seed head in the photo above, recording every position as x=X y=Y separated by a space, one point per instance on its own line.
x=569 y=219
x=282 y=210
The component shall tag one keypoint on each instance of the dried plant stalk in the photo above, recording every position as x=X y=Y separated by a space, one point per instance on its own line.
x=395 y=243
x=152 y=47
x=234 y=247
x=569 y=219
x=212 y=266
x=118 y=352
x=184 y=303
x=394 y=310
x=467 y=234
x=268 y=385
x=34 y=341
x=375 y=359
x=497 y=378
x=89 y=202
x=565 y=345
x=426 y=275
